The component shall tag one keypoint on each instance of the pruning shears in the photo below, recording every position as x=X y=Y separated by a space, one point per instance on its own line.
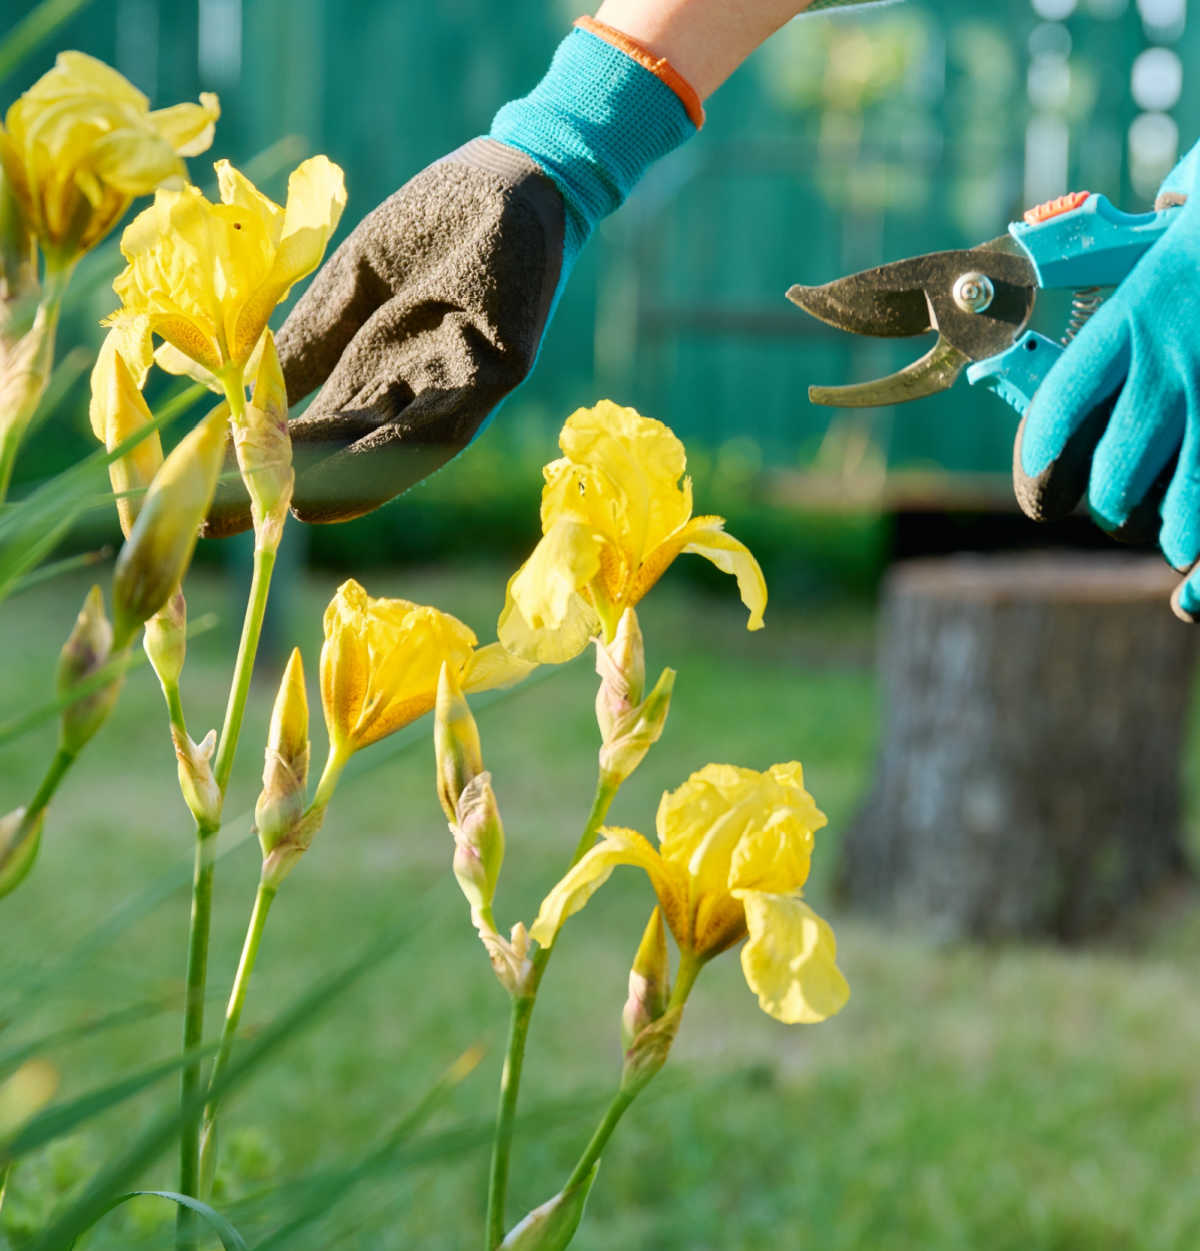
x=980 y=300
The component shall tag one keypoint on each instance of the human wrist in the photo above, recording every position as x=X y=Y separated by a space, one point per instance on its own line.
x=705 y=40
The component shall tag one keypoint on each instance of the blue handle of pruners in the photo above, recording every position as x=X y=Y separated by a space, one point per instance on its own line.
x=1017 y=373
x=1092 y=245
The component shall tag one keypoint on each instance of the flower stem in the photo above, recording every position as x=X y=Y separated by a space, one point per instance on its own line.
x=62 y=761
x=233 y=1015
x=260 y=585
x=202 y=880
x=335 y=762
x=193 y=1021
x=506 y=1113
x=689 y=968
x=518 y=1031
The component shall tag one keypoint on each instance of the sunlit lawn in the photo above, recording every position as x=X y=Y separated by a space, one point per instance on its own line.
x=1017 y=1098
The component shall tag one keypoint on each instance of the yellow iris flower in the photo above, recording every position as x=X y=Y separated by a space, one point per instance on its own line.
x=734 y=851
x=206 y=277
x=381 y=660
x=81 y=143
x=615 y=514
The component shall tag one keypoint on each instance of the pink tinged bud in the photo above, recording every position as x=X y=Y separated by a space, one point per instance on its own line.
x=478 y=842
x=165 y=640
x=621 y=665
x=264 y=449
x=86 y=652
x=196 y=782
x=509 y=956
x=456 y=743
x=279 y=812
x=551 y=1226
x=154 y=558
x=20 y=837
x=648 y=1052
x=649 y=981
x=637 y=731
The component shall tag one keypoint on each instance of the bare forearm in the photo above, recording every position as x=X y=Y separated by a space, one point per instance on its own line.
x=705 y=40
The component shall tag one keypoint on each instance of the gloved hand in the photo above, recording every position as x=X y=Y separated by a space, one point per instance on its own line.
x=1118 y=416
x=433 y=309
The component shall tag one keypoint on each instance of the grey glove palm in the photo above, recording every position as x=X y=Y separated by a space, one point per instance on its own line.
x=422 y=321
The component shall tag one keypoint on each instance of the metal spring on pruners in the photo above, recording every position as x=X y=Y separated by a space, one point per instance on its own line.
x=1084 y=302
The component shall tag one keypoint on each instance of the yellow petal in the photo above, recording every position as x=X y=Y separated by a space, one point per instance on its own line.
x=705 y=536
x=76 y=73
x=236 y=189
x=118 y=411
x=409 y=643
x=172 y=361
x=621 y=473
x=134 y=162
x=315 y=200
x=790 y=959
x=176 y=259
x=188 y=128
x=581 y=882
x=544 y=617
x=734 y=827
x=130 y=333
x=491 y=668
x=344 y=661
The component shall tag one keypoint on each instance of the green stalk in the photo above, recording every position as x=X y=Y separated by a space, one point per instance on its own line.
x=689 y=968
x=193 y=1022
x=207 y=1160
x=197 y=977
x=233 y=1015
x=335 y=762
x=62 y=761
x=202 y=883
x=518 y=1031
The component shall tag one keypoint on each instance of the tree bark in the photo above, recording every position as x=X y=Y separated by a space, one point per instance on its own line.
x=1028 y=780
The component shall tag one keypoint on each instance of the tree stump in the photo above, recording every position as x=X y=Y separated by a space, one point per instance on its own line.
x=1028 y=780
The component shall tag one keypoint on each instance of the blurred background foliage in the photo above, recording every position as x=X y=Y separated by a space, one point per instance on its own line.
x=846 y=141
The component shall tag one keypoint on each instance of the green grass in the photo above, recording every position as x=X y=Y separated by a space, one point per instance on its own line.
x=1019 y=1098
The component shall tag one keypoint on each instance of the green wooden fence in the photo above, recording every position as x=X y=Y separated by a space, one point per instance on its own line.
x=848 y=140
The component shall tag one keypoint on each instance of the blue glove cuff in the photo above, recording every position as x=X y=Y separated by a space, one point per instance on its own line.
x=594 y=124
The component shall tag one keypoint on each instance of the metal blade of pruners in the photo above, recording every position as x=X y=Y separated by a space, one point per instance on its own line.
x=978 y=300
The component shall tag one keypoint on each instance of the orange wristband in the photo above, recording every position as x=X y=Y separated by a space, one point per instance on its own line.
x=659 y=66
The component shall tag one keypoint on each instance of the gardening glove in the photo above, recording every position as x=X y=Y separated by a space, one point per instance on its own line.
x=432 y=311
x=1118 y=416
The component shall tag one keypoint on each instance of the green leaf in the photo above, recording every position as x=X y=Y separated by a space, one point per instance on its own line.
x=14 y=1057
x=15 y=727
x=231 y=1240
x=88 y=1207
x=56 y=569
x=24 y=985
x=30 y=528
x=65 y=1118
x=317 y=1194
